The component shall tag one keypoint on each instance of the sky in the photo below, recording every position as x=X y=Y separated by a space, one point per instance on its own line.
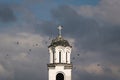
x=27 y=27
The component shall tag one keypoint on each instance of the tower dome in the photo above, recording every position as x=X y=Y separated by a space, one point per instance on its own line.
x=59 y=41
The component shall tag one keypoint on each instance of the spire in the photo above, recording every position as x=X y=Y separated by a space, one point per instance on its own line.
x=60 y=28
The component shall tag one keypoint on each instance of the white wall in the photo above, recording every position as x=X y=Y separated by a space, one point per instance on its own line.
x=59 y=69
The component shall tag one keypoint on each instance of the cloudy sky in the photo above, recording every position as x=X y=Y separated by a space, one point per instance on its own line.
x=91 y=26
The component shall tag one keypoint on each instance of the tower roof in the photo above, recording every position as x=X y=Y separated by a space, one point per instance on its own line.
x=59 y=41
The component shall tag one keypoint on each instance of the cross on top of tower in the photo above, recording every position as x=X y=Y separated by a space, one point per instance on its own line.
x=60 y=29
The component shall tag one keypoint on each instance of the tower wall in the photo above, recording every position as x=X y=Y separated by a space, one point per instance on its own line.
x=59 y=69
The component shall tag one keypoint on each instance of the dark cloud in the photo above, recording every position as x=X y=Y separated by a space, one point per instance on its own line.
x=88 y=33
x=7 y=14
x=73 y=23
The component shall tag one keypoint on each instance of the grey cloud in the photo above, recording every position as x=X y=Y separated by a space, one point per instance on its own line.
x=107 y=10
x=17 y=63
x=87 y=76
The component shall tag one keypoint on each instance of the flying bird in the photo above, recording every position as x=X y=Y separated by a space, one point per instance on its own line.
x=78 y=54
x=98 y=64
x=36 y=44
x=17 y=43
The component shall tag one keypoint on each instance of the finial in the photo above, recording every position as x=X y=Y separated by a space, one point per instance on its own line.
x=60 y=28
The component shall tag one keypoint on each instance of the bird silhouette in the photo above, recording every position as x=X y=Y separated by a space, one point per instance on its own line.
x=17 y=43
x=36 y=44
x=78 y=54
x=98 y=64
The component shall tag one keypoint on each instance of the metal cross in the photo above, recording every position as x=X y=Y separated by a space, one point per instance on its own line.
x=60 y=28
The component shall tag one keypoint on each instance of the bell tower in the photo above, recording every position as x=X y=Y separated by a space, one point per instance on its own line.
x=60 y=66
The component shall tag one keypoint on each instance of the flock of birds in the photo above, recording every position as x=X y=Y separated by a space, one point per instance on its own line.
x=46 y=43
x=37 y=45
x=29 y=50
x=34 y=45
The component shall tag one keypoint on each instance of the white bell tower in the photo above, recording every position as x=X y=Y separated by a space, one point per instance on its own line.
x=60 y=66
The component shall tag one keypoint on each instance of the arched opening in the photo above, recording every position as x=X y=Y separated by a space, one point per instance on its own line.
x=59 y=57
x=59 y=76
